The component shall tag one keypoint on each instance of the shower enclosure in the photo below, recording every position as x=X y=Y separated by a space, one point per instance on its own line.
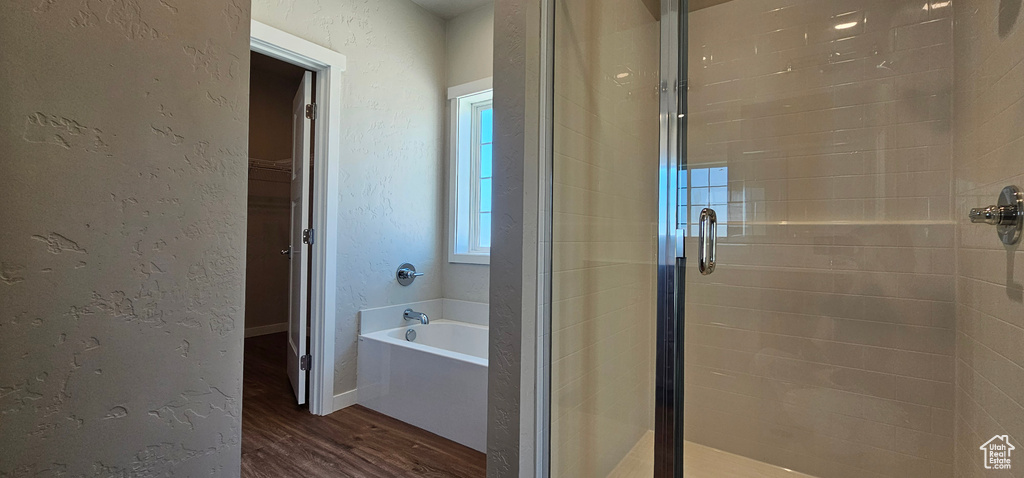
x=761 y=257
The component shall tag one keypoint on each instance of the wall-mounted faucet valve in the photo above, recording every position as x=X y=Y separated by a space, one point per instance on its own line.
x=406 y=273
x=1005 y=215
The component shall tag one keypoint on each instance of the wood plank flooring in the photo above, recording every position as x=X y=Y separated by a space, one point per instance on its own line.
x=281 y=439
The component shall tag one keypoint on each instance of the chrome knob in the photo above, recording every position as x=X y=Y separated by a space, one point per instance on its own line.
x=994 y=215
x=406 y=273
x=1005 y=215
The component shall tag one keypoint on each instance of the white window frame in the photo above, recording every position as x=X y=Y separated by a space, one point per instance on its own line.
x=466 y=101
x=475 y=179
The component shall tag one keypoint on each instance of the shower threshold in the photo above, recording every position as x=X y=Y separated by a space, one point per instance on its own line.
x=699 y=461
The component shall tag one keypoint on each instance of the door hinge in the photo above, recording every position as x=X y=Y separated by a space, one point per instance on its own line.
x=305 y=362
x=308 y=236
x=311 y=111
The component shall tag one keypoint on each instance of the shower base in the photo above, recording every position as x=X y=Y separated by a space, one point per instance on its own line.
x=699 y=461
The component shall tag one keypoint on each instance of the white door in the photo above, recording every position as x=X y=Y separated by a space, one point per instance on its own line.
x=298 y=367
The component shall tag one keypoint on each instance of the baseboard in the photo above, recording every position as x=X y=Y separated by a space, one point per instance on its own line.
x=266 y=329
x=345 y=400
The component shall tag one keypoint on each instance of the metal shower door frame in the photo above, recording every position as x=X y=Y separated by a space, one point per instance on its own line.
x=671 y=261
x=668 y=430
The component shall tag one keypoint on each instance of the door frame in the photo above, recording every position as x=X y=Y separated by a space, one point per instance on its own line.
x=329 y=67
x=668 y=397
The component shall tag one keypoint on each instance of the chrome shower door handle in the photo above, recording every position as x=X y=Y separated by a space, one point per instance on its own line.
x=707 y=238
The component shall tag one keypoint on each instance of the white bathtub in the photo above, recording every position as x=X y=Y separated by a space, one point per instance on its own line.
x=437 y=382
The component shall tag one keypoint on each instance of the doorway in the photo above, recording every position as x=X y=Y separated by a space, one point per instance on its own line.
x=277 y=268
x=313 y=115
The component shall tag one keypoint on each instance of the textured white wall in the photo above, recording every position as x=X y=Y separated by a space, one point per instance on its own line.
x=470 y=45
x=510 y=378
x=469 y=57
x=391 y=135
x=123 y=178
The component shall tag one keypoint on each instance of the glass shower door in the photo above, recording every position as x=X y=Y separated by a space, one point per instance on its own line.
x=753 y=238
x=822 y=343
x=605 y=224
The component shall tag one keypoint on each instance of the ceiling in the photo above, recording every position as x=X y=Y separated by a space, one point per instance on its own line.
x=450 y=8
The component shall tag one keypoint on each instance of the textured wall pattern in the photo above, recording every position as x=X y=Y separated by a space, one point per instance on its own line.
x=515 y=38
x=604 y=228
x=123 y=178
x=988 y=151
x=824 y=341
x=391 y=138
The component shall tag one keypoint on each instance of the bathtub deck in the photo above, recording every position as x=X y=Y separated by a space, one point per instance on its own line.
x=281 y=439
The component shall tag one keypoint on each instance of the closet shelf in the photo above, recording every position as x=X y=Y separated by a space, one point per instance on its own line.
x=281 y=165
x=272 y=171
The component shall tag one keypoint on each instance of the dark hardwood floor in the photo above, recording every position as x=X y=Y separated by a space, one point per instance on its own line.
x=281 y=439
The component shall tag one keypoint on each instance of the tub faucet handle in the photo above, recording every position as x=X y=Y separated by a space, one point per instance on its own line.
x=406 y=273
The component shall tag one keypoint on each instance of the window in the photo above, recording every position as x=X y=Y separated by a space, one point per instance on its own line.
x=700 y=188
x=483 y=122
x=470 y=174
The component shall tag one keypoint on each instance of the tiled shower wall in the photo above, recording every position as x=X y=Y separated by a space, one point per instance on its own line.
x=989 y=154
x=824 y=342
x=604 y=227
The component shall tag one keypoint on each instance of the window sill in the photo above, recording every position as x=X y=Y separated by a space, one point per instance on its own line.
x=464 y=258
